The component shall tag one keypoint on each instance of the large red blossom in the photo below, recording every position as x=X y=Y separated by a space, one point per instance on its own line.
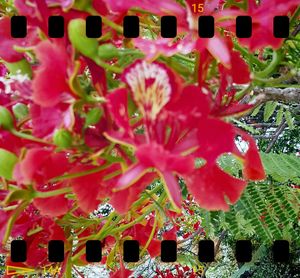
x=152 y=86
x=197 y=130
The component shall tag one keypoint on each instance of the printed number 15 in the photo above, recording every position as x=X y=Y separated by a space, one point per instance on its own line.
x=198 y=8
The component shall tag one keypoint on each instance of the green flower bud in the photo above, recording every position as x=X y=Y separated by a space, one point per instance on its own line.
x=6 y=119
x=20 y=111
x=108 y=51
x=77 y=35
x=62 y=138
x=93 y=116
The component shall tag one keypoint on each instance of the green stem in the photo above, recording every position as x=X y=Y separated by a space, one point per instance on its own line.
x=274 y=81
x=100 y=235
x=79 y=174
x=52 y=193
x=13 y=219
x=132 y=223
x=184 y=58
x=113 y=25
x=29 y=137
x=252 y=58
x=242 y=93
x=150 y=237
x=276 y=59
x=146 y=195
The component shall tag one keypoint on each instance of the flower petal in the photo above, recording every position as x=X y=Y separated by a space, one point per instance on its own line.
x=50 y=81
x=209 y=185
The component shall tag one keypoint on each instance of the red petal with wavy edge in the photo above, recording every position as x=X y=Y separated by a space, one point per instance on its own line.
x=171 y=234
x=40 y=165
x=87 y=188
x=121 y=204
x=154 y=248
x=50 y=82
x=100 y=7
x=25 y=171
x=209 y=185
x=154 y=155
x=253 y=167
x=215 y=138
x=52 y=206
x=239 y=69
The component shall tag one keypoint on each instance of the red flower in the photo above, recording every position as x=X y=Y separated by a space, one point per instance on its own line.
x=152 y=87
x=38 y=167
x=196 y=132
x=262 y=22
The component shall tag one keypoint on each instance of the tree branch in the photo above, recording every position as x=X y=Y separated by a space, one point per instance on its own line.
x=279 y=130
x=288 y=95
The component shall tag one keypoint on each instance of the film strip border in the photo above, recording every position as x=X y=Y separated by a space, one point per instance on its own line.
x=206 y=26
x=168 y=251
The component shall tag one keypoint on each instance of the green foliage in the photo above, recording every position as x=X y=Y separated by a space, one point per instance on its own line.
x=266 y=211
x=269 y=109
x=275 y=112
x=282 y=167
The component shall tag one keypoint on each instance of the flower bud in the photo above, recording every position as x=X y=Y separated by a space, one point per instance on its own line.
x=62 y=138
x=6 y=119
x=107 y=51
x=77 y=35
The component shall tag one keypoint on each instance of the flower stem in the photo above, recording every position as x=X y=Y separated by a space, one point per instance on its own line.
x=80 y=174
x=52 y=193
x=150 y=237
x=13 y=219
x=29 y=137
x=113 y=25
